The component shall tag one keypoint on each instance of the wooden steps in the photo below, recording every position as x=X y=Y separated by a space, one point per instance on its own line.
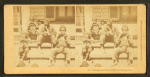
x=97 y=54
x=46 y=49
x=34 y=54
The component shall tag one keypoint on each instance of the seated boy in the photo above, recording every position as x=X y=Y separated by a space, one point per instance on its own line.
x=23 y=47
x=32 y=31
x=109 y=34
x=46 y=34
x=38 y=24
x=125 y=42
x=62 y=44
x=95 y=32
x=86 y=47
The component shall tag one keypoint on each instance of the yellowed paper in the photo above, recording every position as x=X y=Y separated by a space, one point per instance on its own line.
x=77 y=39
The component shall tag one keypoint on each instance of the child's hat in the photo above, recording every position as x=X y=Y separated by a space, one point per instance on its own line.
x=32 y=24
x=94 y=19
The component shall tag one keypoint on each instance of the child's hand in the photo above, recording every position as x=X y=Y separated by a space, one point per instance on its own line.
x=49 y=34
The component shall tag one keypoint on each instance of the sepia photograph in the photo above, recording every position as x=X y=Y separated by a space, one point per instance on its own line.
x=106 y=36
x=44 y=36
x=75 y=39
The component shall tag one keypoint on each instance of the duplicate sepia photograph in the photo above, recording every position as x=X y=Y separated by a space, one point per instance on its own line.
x=106 y=36
x=44 y=36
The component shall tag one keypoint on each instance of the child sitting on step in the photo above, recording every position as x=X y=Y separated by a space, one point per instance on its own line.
x=23 y=47
x=86 y=47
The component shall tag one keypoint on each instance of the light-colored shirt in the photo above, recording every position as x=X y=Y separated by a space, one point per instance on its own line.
x=43 y=29
x=125 y=39
x=62 y=40
x=106 y=29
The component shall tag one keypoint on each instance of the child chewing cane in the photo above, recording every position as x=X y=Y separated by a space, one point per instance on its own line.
x=62 y=44
x=125 y=41
x=46 y=34
x=23 y=49
x=86 y=47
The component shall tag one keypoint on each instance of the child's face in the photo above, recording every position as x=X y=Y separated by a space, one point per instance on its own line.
x=38 y=23
x=62 y=32
x=45 y=23
x=86 y=36
x=31 y=20
x=95 y=29
x=125 y=29
x=94 y=21
x=98 y=21
x=24 y=36
x=102 y=23
x=32 y=27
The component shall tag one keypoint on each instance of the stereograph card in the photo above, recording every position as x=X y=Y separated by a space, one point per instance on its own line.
x=75 y=39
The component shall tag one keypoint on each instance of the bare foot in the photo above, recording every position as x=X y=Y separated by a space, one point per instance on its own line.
x=51 y=64
x=116 y=62
x=66 y=64
x=129 y=63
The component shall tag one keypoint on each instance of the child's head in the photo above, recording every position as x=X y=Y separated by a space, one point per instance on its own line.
x=24 y=35
x=38 y=22
x=46 y=22
x=62 y=29
x=102 y=22
x=31 y=19
x=109 y=22
x=32 y=26
x=61 y=48
x=94 y=19
x=95 y=27
x=125 y=28
x=99 y=22
x=86 y=35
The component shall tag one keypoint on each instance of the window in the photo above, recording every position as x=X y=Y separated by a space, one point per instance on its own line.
x=37 y=12
x=51 y=13
x=65 y=13
x=59 y=14
x=80 y=19
x=61 y=11
x=101 y=12
x=70 y=11
x=17 y=20
x=80 y=16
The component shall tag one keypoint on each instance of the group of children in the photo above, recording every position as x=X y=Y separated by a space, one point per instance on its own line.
x=46 y=33
x=104 y=31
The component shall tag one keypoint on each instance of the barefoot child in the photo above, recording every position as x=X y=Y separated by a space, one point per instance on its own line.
x=23 y=49
x=62 y=44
